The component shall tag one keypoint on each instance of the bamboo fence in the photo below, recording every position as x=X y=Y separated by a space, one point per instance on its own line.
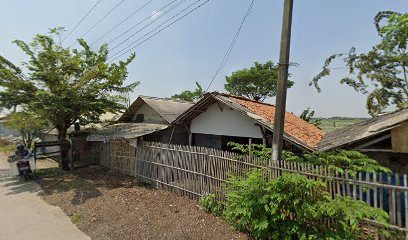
x=196 y=171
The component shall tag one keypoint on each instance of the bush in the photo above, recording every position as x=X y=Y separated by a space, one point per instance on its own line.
x=294 y=207
x=339 y=161
x=210 y=204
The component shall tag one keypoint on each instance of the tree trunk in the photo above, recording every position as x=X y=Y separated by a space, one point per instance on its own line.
x=62 y=135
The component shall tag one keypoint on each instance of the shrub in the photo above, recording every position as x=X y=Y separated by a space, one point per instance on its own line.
x=293 y=207
x=339 y=161
x=210 y=204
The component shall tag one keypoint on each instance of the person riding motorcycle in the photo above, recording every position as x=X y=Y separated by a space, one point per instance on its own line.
x=21 y=152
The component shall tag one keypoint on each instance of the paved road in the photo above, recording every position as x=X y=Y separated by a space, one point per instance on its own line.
x=24 y=215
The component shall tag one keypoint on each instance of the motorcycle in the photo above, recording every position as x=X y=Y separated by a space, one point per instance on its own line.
x=22 y=166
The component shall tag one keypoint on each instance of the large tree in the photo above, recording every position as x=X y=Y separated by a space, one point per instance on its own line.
x=62 y=85
x=381 y=73
x=257 y=83
x=190 y=96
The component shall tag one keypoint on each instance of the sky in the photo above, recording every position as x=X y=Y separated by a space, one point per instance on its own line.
x=192 y=49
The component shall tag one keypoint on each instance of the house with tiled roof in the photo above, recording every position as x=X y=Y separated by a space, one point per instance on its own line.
x=220 y=118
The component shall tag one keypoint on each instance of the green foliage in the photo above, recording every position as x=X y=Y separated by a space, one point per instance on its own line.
x=339 y=161
x=63 y=85
x=190 y=96
x=210 y=204
x=76 y=218
x=256 y=83
x=308 y=116
x=381 y=73
x=257 y=150
x=352 y=161
x=28 y=124
x=294 y=207
x=6 y=146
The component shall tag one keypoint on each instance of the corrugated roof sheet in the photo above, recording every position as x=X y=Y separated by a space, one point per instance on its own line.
x=126 y=130
x=362 y=130
x=167 y=108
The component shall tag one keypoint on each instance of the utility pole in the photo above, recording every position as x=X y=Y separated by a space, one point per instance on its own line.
x=280 y=106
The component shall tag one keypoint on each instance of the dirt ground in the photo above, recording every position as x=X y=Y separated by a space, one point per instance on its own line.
x=106 y=205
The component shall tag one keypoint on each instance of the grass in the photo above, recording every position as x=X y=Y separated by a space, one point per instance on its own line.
x=7 y=148
x=76 y=218
x=330 y=125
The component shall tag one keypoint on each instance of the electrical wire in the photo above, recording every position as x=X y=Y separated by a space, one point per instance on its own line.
x=120 y=23
x=136 y=44
x=231 y=46
x=100 y=20
x=150 y=23
x=82 y=19
x=140 y=22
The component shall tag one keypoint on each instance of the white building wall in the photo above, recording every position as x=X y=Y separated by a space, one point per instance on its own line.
x=226 y=122
x=150 y=115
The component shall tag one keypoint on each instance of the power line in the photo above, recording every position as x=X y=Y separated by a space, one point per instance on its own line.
x=231 y=46
x=120 y=23
x=150 y=23
x=142 y=21
x=100 y=20
x=82 y=19
x=160 y=30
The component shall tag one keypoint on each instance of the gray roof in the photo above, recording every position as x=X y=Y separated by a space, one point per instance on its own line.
x=126 y=131
x=362 y=130
x=167 y=108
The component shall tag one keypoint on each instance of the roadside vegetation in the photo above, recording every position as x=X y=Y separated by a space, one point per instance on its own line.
x=338 y=161
x=6 y=146
x=63 y=87
x=293 y=206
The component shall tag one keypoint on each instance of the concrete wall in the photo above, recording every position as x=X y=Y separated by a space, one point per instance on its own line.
x=225 y=122
x=150 y=115
x=399 y=138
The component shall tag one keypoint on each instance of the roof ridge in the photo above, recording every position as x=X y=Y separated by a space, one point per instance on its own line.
x=268 y=104
x=243 y=98
x=165 y=99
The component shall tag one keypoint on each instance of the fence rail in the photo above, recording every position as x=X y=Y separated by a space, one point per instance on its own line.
x=195 y=171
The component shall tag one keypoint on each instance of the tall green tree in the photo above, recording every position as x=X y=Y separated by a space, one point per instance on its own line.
x=257 y=83
x=190 y=96
x=62 y=85
x=28 y=124
x=381 y=73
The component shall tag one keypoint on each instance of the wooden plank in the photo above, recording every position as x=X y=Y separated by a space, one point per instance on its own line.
x=398 y=201
x=406 y=204
x=391 y=202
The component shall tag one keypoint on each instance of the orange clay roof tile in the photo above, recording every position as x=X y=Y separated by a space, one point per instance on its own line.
x=294 y=125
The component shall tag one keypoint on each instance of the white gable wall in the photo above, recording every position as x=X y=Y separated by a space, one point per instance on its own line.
x=226 y=122
x=150 y=115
